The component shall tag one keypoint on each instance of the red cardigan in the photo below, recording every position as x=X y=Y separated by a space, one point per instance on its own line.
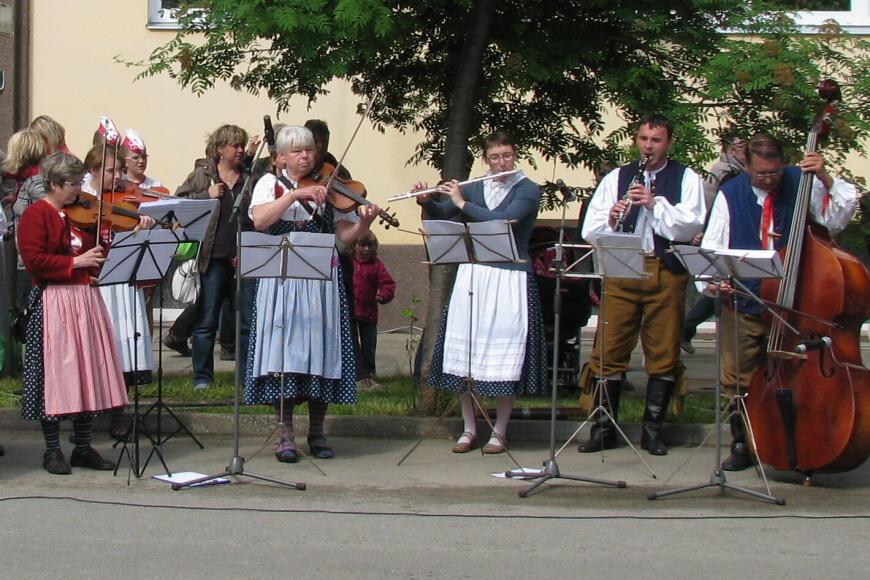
x=46 y=248
x=372 y=285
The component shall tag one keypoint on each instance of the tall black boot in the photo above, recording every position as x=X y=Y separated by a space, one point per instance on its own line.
x=658 y=397
x=740 y=457
x=603 y=432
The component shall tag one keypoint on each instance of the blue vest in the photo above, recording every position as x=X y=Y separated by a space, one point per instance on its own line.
x=745 y=221
x=669 y=184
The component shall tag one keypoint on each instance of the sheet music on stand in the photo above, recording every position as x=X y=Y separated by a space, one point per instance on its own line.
x=143 y=256
x=699 y=262
x=194 y=215
x=618 y=255
x=302 y=255
x=745 y=264
x=449 y=242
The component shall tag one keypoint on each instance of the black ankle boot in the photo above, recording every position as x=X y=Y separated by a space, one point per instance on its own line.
x=658 y=397
x=55 y=463
x=741 y=457
x=90 y=458
x=603 y=432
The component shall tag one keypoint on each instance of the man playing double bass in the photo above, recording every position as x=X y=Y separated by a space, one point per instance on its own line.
x=754 y=211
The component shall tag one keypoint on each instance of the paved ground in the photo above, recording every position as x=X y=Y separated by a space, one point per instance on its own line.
x=439 y=515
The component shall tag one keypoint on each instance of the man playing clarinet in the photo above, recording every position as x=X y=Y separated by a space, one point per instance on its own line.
x=664 y=204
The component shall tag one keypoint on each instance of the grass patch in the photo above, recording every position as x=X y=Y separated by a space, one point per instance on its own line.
x=398 y=397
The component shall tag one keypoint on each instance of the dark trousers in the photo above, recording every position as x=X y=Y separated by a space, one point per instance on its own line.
x=182 y=328
x=701 y=310
x=216 y=285
x=365 y=336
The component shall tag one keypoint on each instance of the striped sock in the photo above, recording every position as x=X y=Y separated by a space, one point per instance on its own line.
x=82 y=431
x=51 y=433
x=316 y=417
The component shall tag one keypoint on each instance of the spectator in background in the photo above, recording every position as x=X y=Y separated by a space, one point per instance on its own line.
x=51 y=132
x=221 y=176
x=21 y=168
x=374 y=286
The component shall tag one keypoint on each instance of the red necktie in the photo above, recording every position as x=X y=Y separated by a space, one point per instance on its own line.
x=766 y=218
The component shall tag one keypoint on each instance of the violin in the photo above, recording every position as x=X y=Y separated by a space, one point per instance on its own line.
x=86 y=210
x=138 y=196
x=811 y=412
x=345 y=195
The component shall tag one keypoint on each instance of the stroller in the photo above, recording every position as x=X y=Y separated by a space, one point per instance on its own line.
x=576 y=300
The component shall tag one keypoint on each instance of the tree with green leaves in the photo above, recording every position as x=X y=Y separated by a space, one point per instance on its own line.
x=550 y=72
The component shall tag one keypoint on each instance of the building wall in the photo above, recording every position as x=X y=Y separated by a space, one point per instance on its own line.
x=75 y=79
x=7 y=71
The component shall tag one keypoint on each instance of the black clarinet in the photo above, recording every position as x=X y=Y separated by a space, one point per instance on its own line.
x=638 y=178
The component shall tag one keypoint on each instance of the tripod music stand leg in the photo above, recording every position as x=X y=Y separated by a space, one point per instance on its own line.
x=155 y=450
x=181 y=427
x=449 y=408
x=236 y=469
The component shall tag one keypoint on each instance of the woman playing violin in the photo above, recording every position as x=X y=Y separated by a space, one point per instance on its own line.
x=508 y=356
x=123 y=301
x=314 y=350
x=71 y=365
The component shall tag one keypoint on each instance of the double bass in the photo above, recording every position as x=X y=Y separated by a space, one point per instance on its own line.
x=810 y=411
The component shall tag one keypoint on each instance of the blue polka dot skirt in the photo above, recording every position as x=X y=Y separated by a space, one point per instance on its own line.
x=297 y=386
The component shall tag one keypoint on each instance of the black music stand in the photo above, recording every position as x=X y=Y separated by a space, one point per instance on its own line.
x=718 y=266
x=138 y=257
x=449 y=242
x=191 y=217
x=293 y=255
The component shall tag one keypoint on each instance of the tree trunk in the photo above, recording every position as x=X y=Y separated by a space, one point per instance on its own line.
x=455 y=166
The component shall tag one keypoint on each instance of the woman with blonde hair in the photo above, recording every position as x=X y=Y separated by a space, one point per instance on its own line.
x=25 y=150
x=51 y=132
x=220 y=176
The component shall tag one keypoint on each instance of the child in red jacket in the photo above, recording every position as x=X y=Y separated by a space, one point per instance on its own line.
x=372 y=286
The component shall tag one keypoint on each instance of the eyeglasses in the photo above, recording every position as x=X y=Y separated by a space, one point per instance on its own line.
x=495 y=157
x=767 y=174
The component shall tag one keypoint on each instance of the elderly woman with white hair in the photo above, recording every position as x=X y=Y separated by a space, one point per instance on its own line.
x=301 y=328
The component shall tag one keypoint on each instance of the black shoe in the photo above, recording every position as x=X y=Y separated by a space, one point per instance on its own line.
x=227 y=354
x=652 y=443
x=89 y=458
x=319 y=449
x=739 y=459
x=287 y=455
x=55 y=463
x=597 y=442
x=603 y=432
x=179 y=346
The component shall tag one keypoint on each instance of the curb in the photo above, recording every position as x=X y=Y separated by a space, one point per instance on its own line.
x=219 y=424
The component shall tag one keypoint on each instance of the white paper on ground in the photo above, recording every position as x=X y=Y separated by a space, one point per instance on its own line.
x=185 y=476
x=521 y=473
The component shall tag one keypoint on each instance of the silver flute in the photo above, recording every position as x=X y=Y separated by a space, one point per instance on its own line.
x=638 y=178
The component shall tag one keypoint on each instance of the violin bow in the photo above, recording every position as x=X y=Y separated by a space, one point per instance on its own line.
x=350 y=142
